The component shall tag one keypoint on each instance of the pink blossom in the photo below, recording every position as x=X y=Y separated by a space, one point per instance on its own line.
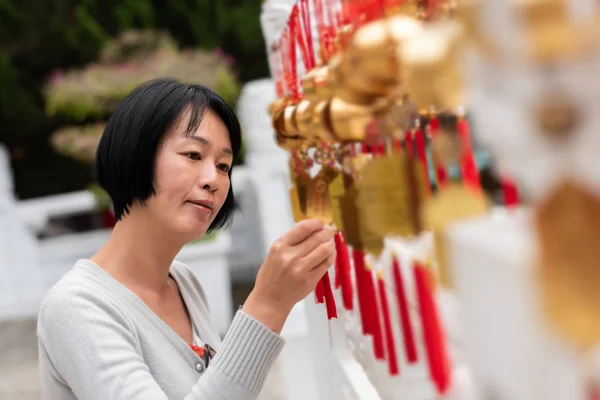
x=56 y=76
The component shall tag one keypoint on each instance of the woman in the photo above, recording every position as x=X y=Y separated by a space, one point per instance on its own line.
x=132 y=323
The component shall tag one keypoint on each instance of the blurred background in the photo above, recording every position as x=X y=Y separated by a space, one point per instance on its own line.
x=65 y=64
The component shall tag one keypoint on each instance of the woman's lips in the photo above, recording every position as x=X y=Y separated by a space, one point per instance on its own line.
x=204 y=209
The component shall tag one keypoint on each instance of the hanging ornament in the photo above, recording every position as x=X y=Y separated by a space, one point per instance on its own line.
x=567 y=227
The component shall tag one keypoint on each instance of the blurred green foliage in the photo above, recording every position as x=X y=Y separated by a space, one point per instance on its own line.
x=38 y=37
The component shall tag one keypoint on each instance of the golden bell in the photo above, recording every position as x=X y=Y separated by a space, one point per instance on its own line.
x=372 y=64
x=304 y=122
x=307 y=83
x=349 y=87
x=348 y=121
x=276 y=105
x=432 y=74
x=323 y=87
x=277 y=120
x=288 y=143
x=289 y=127
x=320 y=129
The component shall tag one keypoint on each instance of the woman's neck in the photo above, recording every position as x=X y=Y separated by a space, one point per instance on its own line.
x=138 y=254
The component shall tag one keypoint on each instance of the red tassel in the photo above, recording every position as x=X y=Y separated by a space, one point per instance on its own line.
x=392 y=358
x=319 y=293
x=468 y=165
x=359 y=272
x=434 y=125
x=329 y=299
x=435 y=343
x=343 y=262
x=410 y=148
x=422 y=154
x=441 y=173
x=407 y=327
x=511 y=193
x=373 y=312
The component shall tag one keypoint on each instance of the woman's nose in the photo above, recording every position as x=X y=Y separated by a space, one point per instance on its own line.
x=208 y=177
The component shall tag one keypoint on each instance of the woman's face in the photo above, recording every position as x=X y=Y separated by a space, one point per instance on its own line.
x=191 y=177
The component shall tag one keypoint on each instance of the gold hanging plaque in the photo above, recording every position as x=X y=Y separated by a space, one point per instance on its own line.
x=336 y=191
x=390 y=193
x=318 y=202
x=372 y=241
x=453 y=203
x=302 y=184
x=568 y=229
x=350 y=218
x=297 y=212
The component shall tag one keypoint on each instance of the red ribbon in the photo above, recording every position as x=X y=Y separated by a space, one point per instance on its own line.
x=319 y=293
x=301 y=19
x=435 y=341
x=329 y=299
x=440 y=169
x=307 y=31
x=343 y=271
x=468 y=166
x=290 y=43
x=510 y=193
x=410 y=147
x=277 y=70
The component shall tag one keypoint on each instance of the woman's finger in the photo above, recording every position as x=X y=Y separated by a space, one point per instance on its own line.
x=301 y=231
x=322 y=253
x=315 y=240
x=323 y=267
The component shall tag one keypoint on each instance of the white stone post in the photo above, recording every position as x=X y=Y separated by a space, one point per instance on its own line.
x=18 y=250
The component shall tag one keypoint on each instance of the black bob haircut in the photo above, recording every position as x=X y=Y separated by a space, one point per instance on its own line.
x=126 y=155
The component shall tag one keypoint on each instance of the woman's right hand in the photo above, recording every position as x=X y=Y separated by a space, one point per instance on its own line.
x=292 y=268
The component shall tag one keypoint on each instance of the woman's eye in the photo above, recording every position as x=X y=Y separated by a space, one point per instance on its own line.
x=224 y=167
x=193 y=156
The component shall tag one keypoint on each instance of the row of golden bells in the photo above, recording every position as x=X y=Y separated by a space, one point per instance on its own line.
x=398 y=55
x=383 y=61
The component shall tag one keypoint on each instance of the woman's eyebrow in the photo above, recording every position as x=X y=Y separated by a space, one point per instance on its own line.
x=205 y=142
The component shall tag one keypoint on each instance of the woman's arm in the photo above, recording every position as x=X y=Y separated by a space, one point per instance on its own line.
x=90 y=346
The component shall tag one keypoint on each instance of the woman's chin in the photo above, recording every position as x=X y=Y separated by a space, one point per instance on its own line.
x=194 y=232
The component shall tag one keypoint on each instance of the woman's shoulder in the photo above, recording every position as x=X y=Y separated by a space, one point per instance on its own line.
x=78 y=294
